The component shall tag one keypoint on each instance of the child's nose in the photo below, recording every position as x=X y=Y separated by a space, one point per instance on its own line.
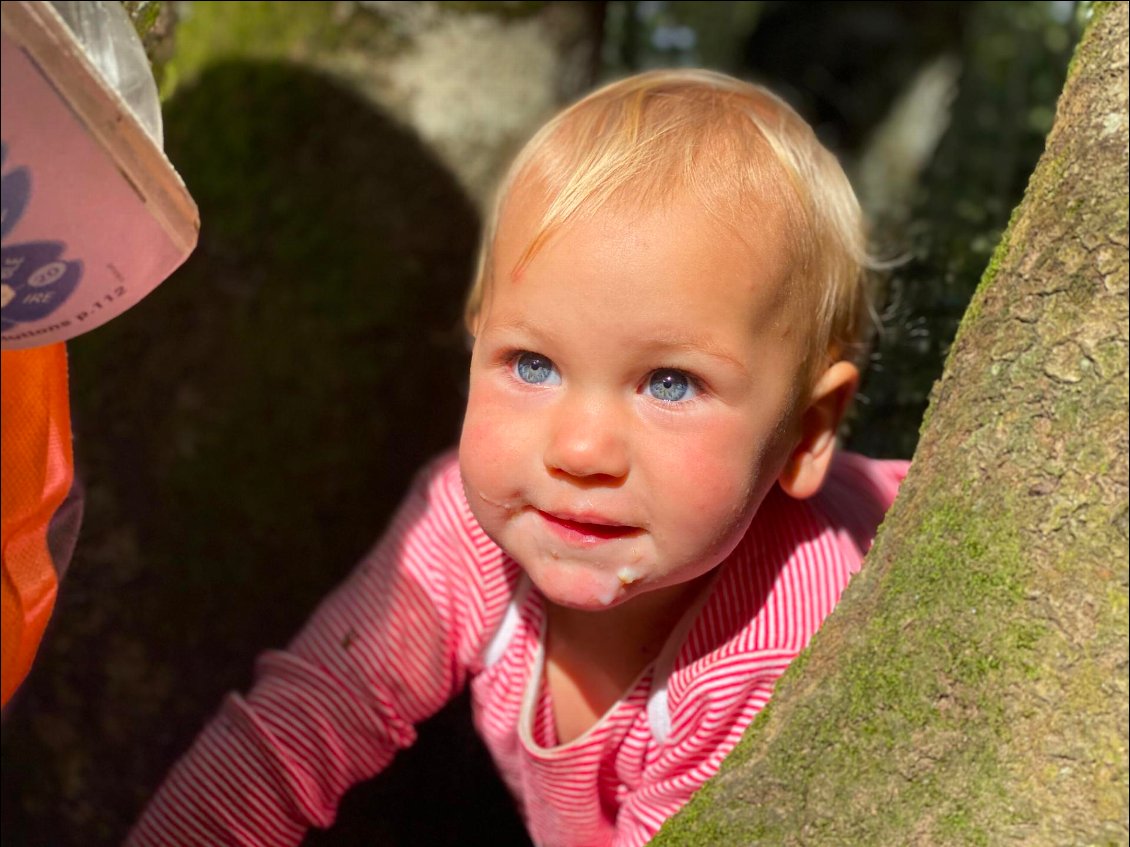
x=587 y=440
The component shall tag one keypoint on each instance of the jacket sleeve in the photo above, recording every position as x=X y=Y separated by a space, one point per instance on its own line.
x=380 y=654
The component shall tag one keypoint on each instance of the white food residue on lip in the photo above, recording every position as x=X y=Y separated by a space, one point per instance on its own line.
x=627 y=576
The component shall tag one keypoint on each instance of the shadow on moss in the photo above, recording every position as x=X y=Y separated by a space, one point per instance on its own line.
x=244 y=434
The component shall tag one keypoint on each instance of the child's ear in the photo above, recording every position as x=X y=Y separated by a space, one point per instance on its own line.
x=806 y=467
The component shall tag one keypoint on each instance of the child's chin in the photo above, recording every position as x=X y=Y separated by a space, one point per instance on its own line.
x=580 y=589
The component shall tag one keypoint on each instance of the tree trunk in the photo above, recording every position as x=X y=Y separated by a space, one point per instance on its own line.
x=972 y=687
x=473 y=80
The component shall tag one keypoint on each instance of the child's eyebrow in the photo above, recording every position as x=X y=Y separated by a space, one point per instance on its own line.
x=525 y=328
x=699 y=345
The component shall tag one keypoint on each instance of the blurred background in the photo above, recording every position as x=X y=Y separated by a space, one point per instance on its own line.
x=245 y=432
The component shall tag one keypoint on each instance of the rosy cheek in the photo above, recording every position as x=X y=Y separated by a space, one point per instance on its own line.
x=719 y=477
x=477 y=439
x=487 y=443
x=711 y=484
x=477 y=447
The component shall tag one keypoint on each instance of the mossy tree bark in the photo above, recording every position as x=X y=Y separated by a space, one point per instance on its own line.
x=972 y=687
x=473 y=79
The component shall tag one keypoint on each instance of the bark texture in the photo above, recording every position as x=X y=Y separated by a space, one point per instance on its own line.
x=972 y=687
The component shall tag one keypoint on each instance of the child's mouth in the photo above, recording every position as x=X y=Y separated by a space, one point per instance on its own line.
x=586 y=532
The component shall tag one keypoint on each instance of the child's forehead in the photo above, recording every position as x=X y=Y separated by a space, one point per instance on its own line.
x=674 y=249
x=757 y=237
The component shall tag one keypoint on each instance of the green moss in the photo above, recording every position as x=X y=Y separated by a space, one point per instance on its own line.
x=210 y=32
x=996 y=261
x=973 y=312
x=1099 y=8
x=143 y=14
x=918 y=675
x=1094 y=12
x=957 y=827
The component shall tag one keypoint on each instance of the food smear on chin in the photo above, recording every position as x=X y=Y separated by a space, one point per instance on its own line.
x=627 y=576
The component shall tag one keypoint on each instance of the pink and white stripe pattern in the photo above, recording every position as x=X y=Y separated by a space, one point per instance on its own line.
x=437 y=603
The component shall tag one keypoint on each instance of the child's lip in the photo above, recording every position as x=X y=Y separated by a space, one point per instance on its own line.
x=587 y=526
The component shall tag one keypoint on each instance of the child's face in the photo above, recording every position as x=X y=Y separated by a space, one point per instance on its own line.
x=633 y=397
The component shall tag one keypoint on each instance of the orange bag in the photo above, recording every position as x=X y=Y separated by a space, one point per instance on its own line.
x=41 y=509
x=94 y=218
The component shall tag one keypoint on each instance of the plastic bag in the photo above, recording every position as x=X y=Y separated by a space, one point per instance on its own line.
x=110 y=41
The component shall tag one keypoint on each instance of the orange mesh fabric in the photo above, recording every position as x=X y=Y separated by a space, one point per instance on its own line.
x=38 y=471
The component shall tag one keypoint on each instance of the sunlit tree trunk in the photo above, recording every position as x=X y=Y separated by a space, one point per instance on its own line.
x=474 y=80
x=972 y=688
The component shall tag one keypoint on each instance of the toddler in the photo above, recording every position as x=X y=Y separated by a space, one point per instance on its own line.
x=646 y=518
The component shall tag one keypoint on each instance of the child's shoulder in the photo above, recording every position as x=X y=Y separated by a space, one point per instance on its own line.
x=777 y=587
x=838 y=522
x=437 y=488
x=877 y=478
x=441 y=472
x=795 y=560
x=857 y=494
x=435 y=511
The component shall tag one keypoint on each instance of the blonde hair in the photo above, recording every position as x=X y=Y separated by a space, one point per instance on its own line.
x=734 y=145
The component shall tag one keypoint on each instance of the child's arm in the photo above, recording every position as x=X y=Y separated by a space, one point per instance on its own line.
x=383 y=652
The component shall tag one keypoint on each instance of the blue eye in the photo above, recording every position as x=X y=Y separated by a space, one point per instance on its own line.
x=670 y=386
x=536 y=369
